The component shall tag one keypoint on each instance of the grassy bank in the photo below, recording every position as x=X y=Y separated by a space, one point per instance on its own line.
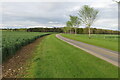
x=104 y=41
x=54 y=58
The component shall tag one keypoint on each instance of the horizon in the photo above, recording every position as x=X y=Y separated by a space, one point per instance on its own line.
x=52 y=27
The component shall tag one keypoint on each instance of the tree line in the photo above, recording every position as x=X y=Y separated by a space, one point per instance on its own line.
x=72 y=30
x=59 y=30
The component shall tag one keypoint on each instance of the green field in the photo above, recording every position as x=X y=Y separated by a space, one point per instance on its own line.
x=14 y=40
x=54 y=58
x=102 y=40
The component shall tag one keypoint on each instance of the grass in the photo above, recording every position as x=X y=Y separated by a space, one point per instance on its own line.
x=54 y=58
x=104 y=41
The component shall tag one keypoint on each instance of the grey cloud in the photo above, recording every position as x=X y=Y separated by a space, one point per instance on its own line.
x=40 y=13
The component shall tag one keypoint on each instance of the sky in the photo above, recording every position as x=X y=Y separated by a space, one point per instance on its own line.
x=55 y=13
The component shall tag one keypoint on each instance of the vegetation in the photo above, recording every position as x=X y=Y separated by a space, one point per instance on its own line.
x=67 y=30
x=75 y=22
x=12 y=41
x=87 y=15
x=105 y=41
x=65 y=61
x=45 y=30
x=69 y=26
x=95 y=31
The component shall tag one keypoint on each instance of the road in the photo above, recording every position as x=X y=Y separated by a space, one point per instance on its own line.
x=105 y=54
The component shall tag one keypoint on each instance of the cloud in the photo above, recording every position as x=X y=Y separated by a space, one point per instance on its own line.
x=51 y=22
x=55 y=14
x=56 y=0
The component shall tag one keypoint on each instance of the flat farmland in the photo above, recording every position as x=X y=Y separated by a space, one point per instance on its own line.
x=52 y=58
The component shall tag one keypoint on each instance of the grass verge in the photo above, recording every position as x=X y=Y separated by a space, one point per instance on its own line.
x=103 y=41
x=54 y=58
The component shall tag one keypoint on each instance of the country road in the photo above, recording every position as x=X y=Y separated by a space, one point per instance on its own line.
x=105 y=54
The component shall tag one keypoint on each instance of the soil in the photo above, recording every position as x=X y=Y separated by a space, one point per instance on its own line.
x=16 y=65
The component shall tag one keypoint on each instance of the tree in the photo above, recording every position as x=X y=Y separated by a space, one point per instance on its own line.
x=88 y=15
x=77 y=26
x=69 y=25
x=75 y=22
x=65 y=29
x=80 y=30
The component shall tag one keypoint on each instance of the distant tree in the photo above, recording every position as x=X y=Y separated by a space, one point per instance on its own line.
x=69 y=25
x=87 y=15
x=79 y=30
x=85 y=30
x=75 y=22
x=94 y=30
x=65 y=29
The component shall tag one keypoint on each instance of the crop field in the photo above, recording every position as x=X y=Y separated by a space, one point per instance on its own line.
x=13 y=41
x=102 y=40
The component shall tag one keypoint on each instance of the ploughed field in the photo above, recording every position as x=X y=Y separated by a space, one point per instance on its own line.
x=13 y=41
x=102 y=40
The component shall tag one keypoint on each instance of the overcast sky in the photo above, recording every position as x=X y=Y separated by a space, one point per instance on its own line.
x=55 y=14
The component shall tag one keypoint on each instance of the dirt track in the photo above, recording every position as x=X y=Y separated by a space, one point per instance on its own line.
x=105 y=54
x=17 y=64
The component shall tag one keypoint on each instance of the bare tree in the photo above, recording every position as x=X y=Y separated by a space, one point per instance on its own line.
x=88 y=15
